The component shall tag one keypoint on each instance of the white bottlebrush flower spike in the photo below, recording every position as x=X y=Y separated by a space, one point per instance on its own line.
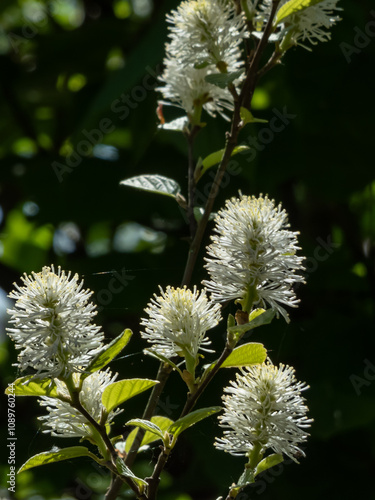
x=64 y=420
x=264 y=407
x=52 y=324
x=252 y=256
x=205 y=36
x=311 y=24
x=207 y=32
x=187 y=88
x=178 y=321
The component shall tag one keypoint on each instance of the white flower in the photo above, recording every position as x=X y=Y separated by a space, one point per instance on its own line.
x=253 y=255
x=204 y=39
x=186 y=87
x=66 y=421
x=309 y=24
x=52 y=324
x=312 y=24
x=178 y=321
x=264 y=407
x=207 y=32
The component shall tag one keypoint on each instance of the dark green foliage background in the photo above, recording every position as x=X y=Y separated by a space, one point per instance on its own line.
x=320 y=167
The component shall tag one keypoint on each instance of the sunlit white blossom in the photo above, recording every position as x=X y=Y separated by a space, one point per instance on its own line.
x=252 y=256
x=207 y=32
x=264 y=407
x=52 y=324
x=186 y=87
x=205 y=36
x=64 y=420
x=178 y=320
x=310 y=24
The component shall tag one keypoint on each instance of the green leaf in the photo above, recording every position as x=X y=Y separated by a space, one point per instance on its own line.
x=223 y=80
x=48 y=457
x=246 y=355
x=27 y=386
x=213 y=159
x=154 y=183
x=292 y=7
x=162 y=358
x=110 y=352
x=268 y=462
x=177 y=125
x=125 y=471
x=163 y=423
x=192 y=418
x=262 y=318
x=118 y=392
x=147 y=426
x=247 y=117
x=257 y=312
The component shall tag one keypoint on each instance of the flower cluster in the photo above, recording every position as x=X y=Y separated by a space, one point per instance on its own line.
x=204 y=39
x=178 y=321
x=52 y=324
x=253 y=255
x=264 y=408
x=66 y=421
x=309 y=24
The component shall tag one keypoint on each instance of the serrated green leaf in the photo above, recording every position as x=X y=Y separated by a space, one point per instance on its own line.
x=147 y=425
x=118 y=392
x=261 y=319
x=268 y=462
x=162 y=422
x=213 y=159
x=110 y=352
x=154 y=184
x=292 y=7
x=246 y=355
x=124 y=470
x=222 y=80
x=48 y=457
x=27 y=386
x=192 y=418
x=177 y=125
x=247 y=117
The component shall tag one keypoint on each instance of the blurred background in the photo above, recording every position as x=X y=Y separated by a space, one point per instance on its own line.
x=78 y=116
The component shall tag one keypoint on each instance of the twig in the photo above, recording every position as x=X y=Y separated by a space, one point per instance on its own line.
x=252 y=74
x=102 y=431
x=162 y=377
x=154 y=480
x=190 y=136
x=271 y=63
x=195 y=245
x=245 y=96
x=193 y=398
x=189 y=405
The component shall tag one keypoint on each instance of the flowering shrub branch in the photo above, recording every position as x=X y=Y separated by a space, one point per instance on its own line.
x=252 y=260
